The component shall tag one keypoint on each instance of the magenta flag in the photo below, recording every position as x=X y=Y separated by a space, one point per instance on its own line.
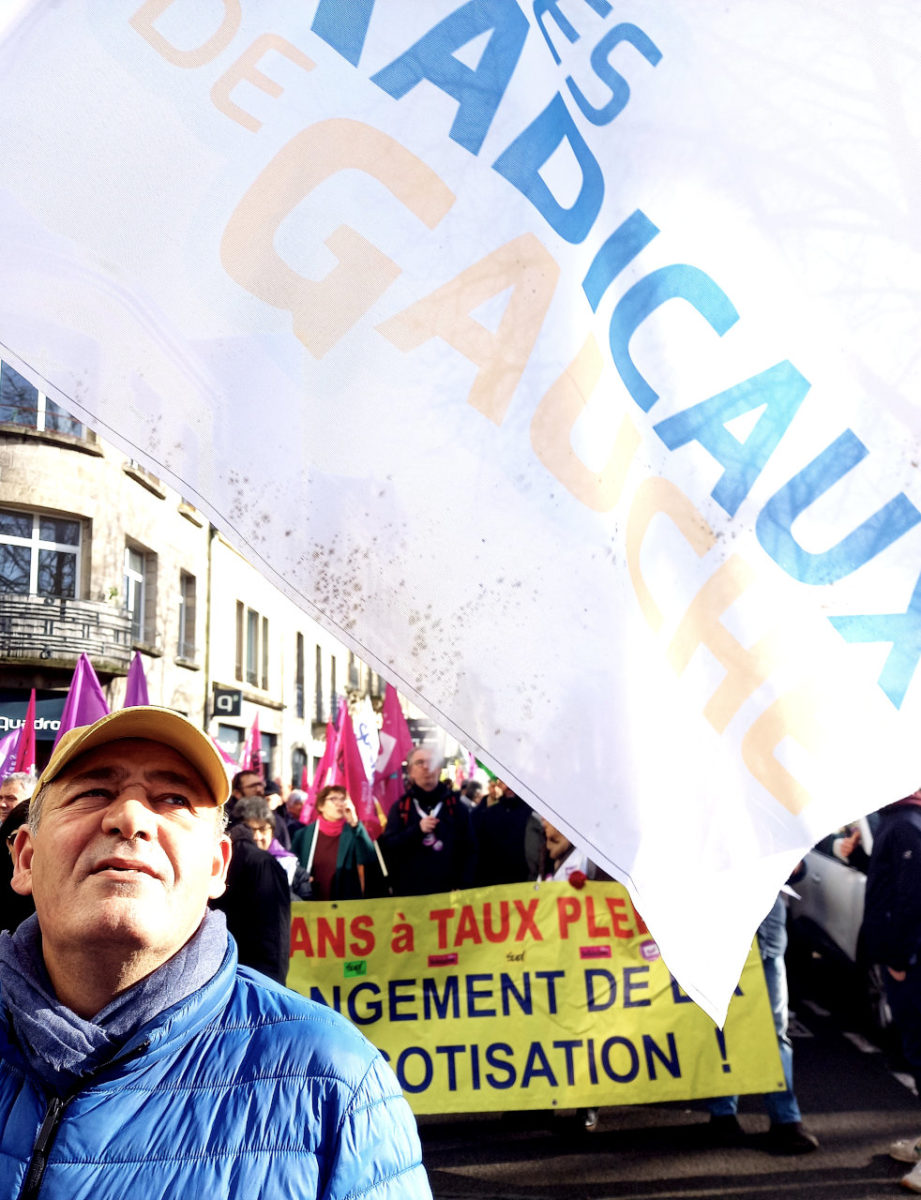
x=85 y=702
x=25 y=745
x=319 y=779
x=396 y=745
x=8 y=745
x=136 y=690
x=252 y=749
x=350 y=772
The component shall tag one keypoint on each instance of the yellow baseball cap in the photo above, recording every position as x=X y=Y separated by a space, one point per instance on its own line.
x=155 y=724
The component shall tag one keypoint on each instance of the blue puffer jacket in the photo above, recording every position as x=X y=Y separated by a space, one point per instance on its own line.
x=244 y=1090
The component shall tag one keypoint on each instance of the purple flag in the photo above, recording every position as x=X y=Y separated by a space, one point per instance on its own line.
x=85 y=702
x=136 y=690
x=25 y=746
x=8 y=745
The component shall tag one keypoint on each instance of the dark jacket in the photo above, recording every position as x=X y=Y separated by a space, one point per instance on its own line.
x=447 y=863
x=257 y=905
x=509 y=841
x=355 y=850
x=891 y=931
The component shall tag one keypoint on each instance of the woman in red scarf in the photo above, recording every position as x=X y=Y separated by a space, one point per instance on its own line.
x=335 y=849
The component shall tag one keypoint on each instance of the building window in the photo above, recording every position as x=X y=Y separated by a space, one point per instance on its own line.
x=186 y=644
x=332 y=685
x=39 y=554
x=22 y=404
x=299 y=677
x=318 y=680
x=252 y=647
x=141 y=593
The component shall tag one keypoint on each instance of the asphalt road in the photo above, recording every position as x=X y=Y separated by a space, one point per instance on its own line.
x=849 y=1091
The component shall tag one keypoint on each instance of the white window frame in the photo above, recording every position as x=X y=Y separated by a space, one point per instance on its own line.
x=136 y=591
x=36 y=543
x=40 y=410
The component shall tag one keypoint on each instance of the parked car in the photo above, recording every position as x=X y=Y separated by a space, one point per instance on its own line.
x=823 y=921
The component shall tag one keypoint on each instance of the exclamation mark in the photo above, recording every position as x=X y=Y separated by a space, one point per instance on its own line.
x=721 y=1042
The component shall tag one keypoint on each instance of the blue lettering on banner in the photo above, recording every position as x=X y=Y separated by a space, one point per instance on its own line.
x=624 y=244
x=521 y=162
x=774 y=524
x=500 y=1064
x=537 y=1067
x=601 y=7
x=621 y=1060
x=479 y=91
x=620 y=89
x=475 y=995
x=902 y=630
x=780 y=390
x=636 y=979
x=601 y=976
x=449 y=997
x=401 y=992
x=649 y=293
x=428 y=1069
x=343 y=26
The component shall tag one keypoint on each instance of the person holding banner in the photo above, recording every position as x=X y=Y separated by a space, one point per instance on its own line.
x=136 y=1057
x=335 y=850
x=786 y=1134
x=429 y=844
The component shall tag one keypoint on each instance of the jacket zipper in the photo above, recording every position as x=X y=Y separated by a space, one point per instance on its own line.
x=43 y=1142
x=52 y=1121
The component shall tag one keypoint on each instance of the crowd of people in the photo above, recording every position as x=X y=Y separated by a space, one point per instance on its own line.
x=435 y=838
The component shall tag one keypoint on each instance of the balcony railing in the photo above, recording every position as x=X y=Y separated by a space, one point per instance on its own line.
x=56 y=631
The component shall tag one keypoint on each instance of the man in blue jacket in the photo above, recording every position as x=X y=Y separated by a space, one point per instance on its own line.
x=136 y=1056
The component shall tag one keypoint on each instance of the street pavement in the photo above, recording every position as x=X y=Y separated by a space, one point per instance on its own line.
x=850 y=1092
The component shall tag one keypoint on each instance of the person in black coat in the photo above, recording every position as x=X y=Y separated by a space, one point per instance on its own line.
x=428 y=843
x=257 y=902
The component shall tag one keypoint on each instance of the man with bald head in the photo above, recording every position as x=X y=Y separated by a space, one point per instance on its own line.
x=136 y=1056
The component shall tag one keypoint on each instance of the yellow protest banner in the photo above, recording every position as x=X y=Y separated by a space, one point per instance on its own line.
x=527 y=996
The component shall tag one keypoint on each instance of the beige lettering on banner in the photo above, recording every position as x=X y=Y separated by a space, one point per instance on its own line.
x=792 y=715
x=653 y=497
x=143 y=22
x=325 y=310
x=551 y=430
x=525 y=266
x=746 y=668
x=245 y=69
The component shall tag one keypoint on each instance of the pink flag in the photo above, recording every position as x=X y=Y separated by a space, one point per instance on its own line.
x=252 y=749
x=85 y=702
x=136 y=690
x=350 y=772
x=25 y=746
x=8 y=745
x=396 y=745
x=319 y=779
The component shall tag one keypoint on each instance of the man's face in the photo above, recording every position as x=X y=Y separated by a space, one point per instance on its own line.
x=424 y=769
x=10 y=795
x=251 y=785
x=126 y=854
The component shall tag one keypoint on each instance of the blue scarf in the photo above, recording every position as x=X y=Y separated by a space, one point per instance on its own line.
x=59 y=1046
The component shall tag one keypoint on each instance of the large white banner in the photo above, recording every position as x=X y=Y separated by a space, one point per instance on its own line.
x=561 y=357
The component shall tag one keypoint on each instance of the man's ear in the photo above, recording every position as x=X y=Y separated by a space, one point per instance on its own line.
x=219 y=865
x=23 y=850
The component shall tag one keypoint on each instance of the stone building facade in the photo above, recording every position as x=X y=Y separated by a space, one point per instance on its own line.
x=99 y=556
